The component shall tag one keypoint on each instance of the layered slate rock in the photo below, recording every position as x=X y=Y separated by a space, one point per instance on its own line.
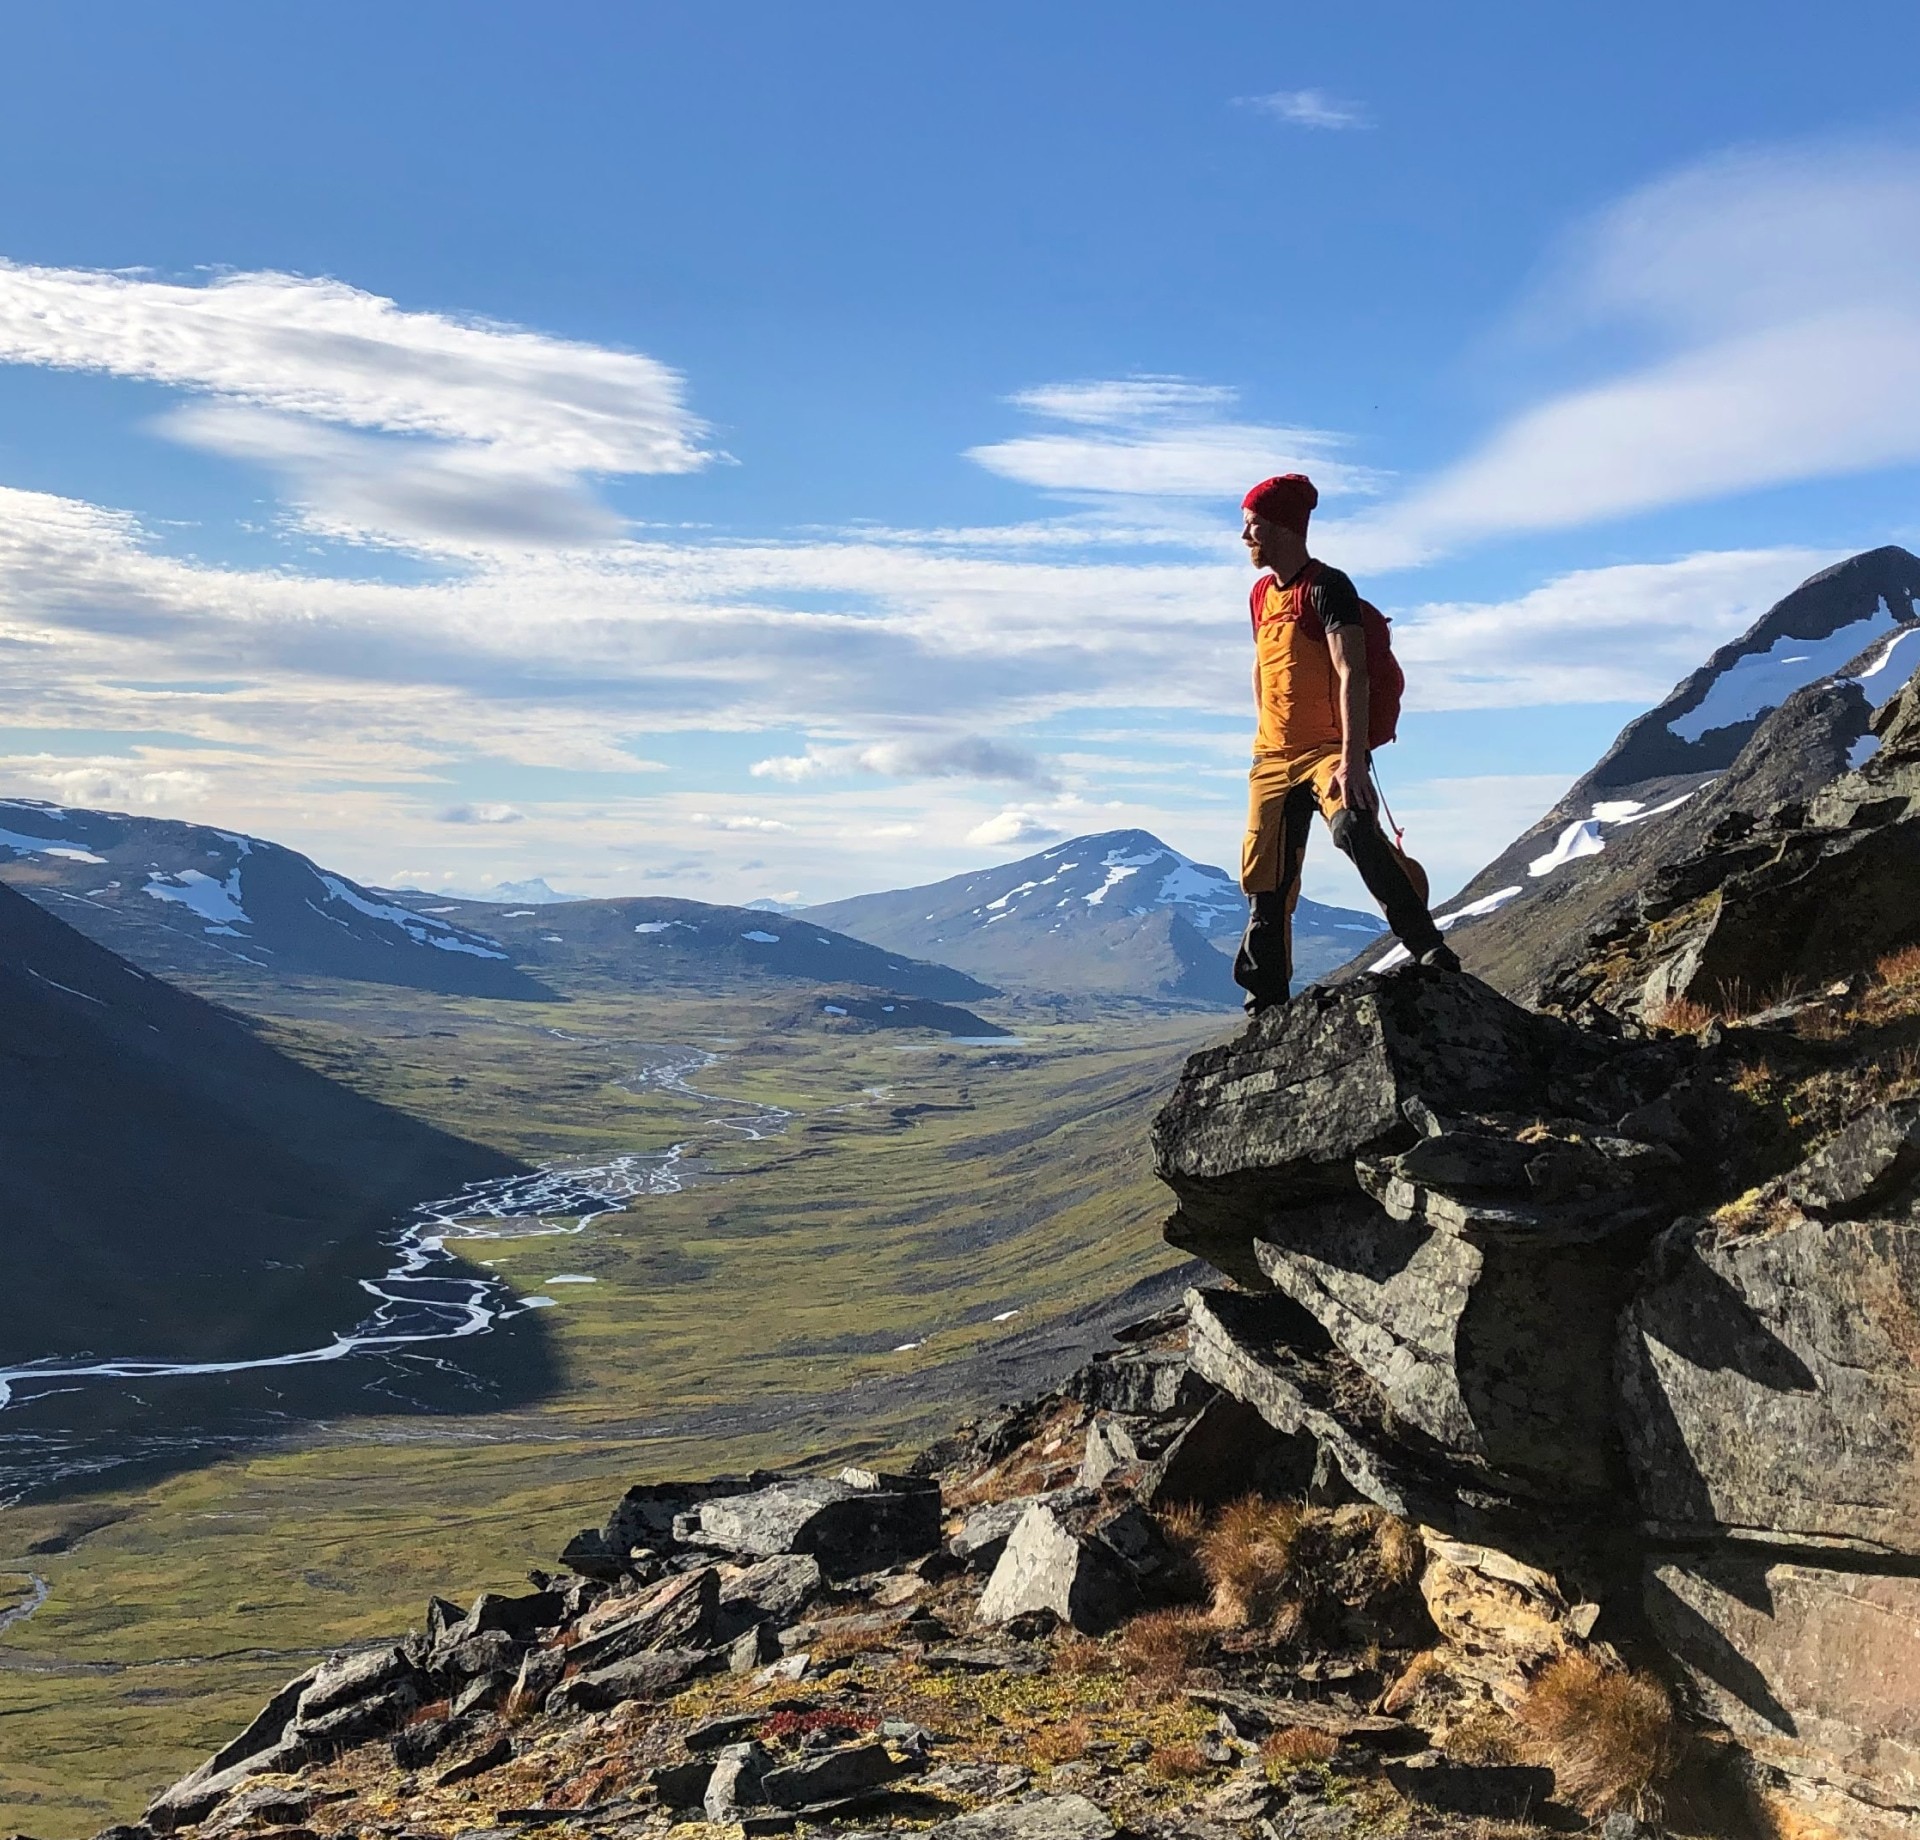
x=1439 y=1179
x=1792 y=896
x=1813 y=1670
x=849 y=1527
x=1770 y=1372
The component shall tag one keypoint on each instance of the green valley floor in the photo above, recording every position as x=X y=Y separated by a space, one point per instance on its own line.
x=934 y=1227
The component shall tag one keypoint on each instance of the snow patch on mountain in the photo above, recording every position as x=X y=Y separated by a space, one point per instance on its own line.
x=1760 y=681
x=216 y=902
x=418 y=927
x=1909 y=662
x=1583 y=837
x=22 y=845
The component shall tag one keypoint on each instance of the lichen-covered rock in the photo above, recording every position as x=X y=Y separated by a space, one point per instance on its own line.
x=1438 y=1178
x=651 y=1676
x=1502 y=1619
x=679 y=1612
x=1042 y=1817
x=1770 y=1382
x=1047 y=1566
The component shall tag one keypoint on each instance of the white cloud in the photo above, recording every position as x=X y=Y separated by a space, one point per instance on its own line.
x=711 y=821
x=1159 y=437
x=1622 y=634
x=120 y=784
x=422 y=495
x=1776 y=299
x=1311 y=108
x=931 y=757
x=1013 y=826
x=482 y=814
x=1124 y=401
x=459 y=416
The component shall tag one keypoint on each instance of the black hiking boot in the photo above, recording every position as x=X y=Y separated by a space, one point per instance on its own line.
x=1440 y=958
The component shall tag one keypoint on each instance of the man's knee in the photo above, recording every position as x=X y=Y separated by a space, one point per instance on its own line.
x=1348 y=828
x=1268 y=908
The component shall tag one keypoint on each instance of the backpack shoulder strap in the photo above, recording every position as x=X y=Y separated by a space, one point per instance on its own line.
x=1257 y=599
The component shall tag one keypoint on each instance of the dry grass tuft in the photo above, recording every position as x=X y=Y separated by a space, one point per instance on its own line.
x=1246 y=1556
x=1161 y=1646
x=1289 y=1570
x=1178 y=1762
x=1294 y=1745
x=1488 y=1737
x=1684 y=1016
x=1610 y=1736
x=1182 y=1523
x=1899 y=973
x=1065 y=1742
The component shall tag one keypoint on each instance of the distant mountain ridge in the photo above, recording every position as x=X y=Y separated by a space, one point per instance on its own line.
x=1116 y=913
x=1774 y=716
x=174 y=896
x=647 y=940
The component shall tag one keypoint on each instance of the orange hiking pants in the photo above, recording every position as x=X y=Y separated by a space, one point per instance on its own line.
x=1284 y=790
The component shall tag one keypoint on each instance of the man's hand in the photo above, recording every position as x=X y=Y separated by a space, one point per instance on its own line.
x=1352 y=784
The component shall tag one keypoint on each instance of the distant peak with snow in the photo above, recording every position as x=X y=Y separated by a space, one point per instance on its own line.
x=1769 y=718
x=1117 y=911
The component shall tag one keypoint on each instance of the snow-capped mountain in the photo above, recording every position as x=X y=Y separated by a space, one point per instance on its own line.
x=186 y=897
x=1119 y=913
x=1773 y=716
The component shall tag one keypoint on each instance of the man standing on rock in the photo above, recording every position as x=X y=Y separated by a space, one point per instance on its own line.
x=1311 y=690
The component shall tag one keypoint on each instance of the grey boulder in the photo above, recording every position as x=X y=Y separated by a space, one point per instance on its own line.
x=849 y=1530
x=1047 y=1566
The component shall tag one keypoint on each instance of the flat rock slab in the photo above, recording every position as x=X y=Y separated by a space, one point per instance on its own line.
x=1501 y=1791
x=641 y=1677
x=1308 y=1087
x=849 y=1530
x=1771 y=1384
x=1815 y=1672
x=1256 y=1712
x=829 y=1776
x=1046 y=1817
x=679 y=1612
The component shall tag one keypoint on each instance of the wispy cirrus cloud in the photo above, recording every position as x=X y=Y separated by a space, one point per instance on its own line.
x=1773 y=299
x=1310 y=108
x=416 y=427
x=1159 y=437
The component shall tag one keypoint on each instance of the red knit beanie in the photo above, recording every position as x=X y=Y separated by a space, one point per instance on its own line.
x=1287 y=499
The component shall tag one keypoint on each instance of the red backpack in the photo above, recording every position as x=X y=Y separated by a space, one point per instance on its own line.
x=1386 y=682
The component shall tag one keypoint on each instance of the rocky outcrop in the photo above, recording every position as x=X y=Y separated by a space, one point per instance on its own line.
x=1628 y=1318
x=1447 y=1186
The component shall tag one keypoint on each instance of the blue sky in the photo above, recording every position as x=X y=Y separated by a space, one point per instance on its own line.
x=785 y=452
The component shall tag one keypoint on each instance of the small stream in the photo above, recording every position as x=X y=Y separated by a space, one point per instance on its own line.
x=423 y=1297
